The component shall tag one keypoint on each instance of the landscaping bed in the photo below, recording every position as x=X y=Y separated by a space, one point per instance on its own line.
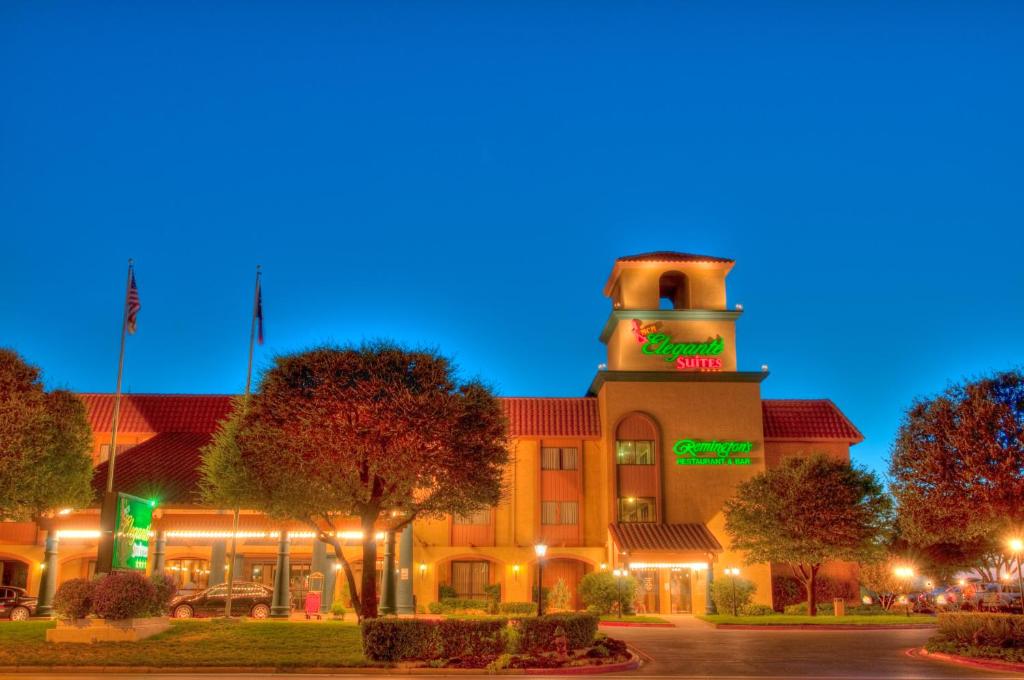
x=790 y=620
x=992 y=637
x=638 y=621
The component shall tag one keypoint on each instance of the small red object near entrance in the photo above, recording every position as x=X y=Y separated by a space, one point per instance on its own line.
x=312 y=607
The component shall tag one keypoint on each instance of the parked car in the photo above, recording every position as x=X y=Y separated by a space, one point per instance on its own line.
x=247 y=599
x=993 y=597
x=16 y=604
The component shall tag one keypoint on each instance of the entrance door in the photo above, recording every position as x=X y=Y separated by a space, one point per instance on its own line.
x=647 y=593
x=681 y=592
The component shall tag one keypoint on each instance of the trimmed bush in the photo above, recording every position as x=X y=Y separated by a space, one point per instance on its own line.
x=455 y=605
x=338 y=610
x=518 y=608
x=123 y=595
x=983 y=630
x=756 y=610
x=601 y=591
x=73 y=599
x=471 y=637
x=824 y=608
x=165 y=589
x=446 y=592
x=538 y=634
x=394 y=639
x=722 y=592
x=788 y=590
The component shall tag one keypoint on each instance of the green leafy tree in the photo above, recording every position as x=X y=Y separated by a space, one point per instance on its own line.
x=957 y=469
x=45 y=441
x=806 y=512
x=603 y=591
x=377 y=433
x=879 y=577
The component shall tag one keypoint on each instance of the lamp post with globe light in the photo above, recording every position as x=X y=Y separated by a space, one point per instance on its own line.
x=1017 y=548
x=540 y=549
x=618 y=573
x=906 y=574
x=733 y=572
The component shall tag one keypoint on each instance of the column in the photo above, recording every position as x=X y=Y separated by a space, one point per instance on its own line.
x=318 y=564
x=330 y=577
x=709 y=606
x=405 y=572
x=237 y=565
x=218 y=562
x=281 y=606
x=387 y=594
x=48 y=579
x=159 y=552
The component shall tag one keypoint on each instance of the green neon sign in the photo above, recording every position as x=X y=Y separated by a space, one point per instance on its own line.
x=703 y=452
x=132 y=522
x=687 y=356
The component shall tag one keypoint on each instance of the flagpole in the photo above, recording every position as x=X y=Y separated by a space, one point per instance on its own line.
x=248 y=389
x=112 y=457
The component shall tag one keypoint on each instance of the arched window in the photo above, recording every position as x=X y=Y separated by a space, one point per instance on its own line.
x=673 y=291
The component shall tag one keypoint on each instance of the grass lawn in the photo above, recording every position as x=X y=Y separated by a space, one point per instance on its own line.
x=280 y=644
x=632 y=619
x=785 y=619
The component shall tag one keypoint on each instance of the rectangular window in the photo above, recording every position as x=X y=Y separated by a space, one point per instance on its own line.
x=634 y=452
x=554 y=458
x=470 y=578
x=559 y=512
x=477 y=518
x=637 y=510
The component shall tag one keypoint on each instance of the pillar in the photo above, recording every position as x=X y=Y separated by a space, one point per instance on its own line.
x=280 y=607
x=237 y=565
x=218 y=562
x=318 y=564
x=709 y=605
x=48 y=579
x=159 y=552
x=330 y=578
x=387 y=594
x=405 y=573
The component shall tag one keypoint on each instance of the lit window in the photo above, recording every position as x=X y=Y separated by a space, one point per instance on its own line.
x=637 y=510
x=634 y=452
x=554 y=458
x=470 y=578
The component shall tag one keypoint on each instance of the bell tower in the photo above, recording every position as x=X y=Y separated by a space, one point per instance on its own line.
x=669 y=314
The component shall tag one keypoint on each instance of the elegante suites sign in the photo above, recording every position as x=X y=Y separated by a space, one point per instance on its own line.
x=687 y=356
x=702 y=452
x=131 y=532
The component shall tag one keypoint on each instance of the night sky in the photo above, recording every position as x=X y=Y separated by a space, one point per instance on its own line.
x=463 y=175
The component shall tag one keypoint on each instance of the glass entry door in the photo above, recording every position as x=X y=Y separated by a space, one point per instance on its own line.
x=680 y=591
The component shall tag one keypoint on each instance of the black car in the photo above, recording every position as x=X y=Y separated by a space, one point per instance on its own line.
x=16 y=604
x=247 y=598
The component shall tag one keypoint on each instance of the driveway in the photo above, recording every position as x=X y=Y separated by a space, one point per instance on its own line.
x=696 y=650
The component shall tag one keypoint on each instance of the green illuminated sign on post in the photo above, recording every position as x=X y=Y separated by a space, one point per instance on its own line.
x=701 y=452
x=131 y=532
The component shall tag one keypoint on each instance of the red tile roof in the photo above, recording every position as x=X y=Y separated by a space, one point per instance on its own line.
x=158 y=412
x=164 y=467
x=807 y=420
x=664 y=537
x=672 y=256
x=552 y=417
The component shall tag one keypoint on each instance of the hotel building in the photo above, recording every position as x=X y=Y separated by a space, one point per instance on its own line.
x=633 y=475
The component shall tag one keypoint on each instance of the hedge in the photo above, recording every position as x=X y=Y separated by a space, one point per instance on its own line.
x=538 y=634
x=393 y=639
x=983 y=630
x=518 y=608
x=455 y=605
x=74 y=598
x=470 y=637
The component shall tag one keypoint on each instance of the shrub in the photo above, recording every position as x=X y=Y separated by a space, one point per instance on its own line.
x=164 y=591
x=518 y=608
x=757 y=610
x=393 y=639
x=787 y=590
x=123 y=595
x=559 y=596
x=825 y=608
x=454 y=605
x=601 y=591
x=73 y=599
x=493 y=592
x=722 y=592
x=338 y=610
x=538 y=634
x=983 y=630
x=446 y=592
x=471 y=637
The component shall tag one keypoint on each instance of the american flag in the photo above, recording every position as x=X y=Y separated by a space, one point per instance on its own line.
x=133 y=304
x=259 y=311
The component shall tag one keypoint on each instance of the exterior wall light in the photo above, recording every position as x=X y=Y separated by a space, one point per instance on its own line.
x=423 y=570
x=764 y=368
x=604 y=567
x=515 y=571
x=739 y=307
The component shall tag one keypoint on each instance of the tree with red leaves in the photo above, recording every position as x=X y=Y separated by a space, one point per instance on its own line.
x=957 y=471
x=376 y=432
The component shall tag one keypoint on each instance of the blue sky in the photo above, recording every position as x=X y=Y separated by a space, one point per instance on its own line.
x=462 y=175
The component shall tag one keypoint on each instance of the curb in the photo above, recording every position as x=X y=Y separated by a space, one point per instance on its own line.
x=632 y=624
x=811 y=626
x=986 y=664
x=631 y=665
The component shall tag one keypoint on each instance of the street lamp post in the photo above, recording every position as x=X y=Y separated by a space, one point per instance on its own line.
x=618 y=589
x=733 y=573
x=905 y=573
x=540 y=549
x=1017 y=548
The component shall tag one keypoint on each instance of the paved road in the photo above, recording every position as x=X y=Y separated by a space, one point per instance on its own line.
x=695 y=650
